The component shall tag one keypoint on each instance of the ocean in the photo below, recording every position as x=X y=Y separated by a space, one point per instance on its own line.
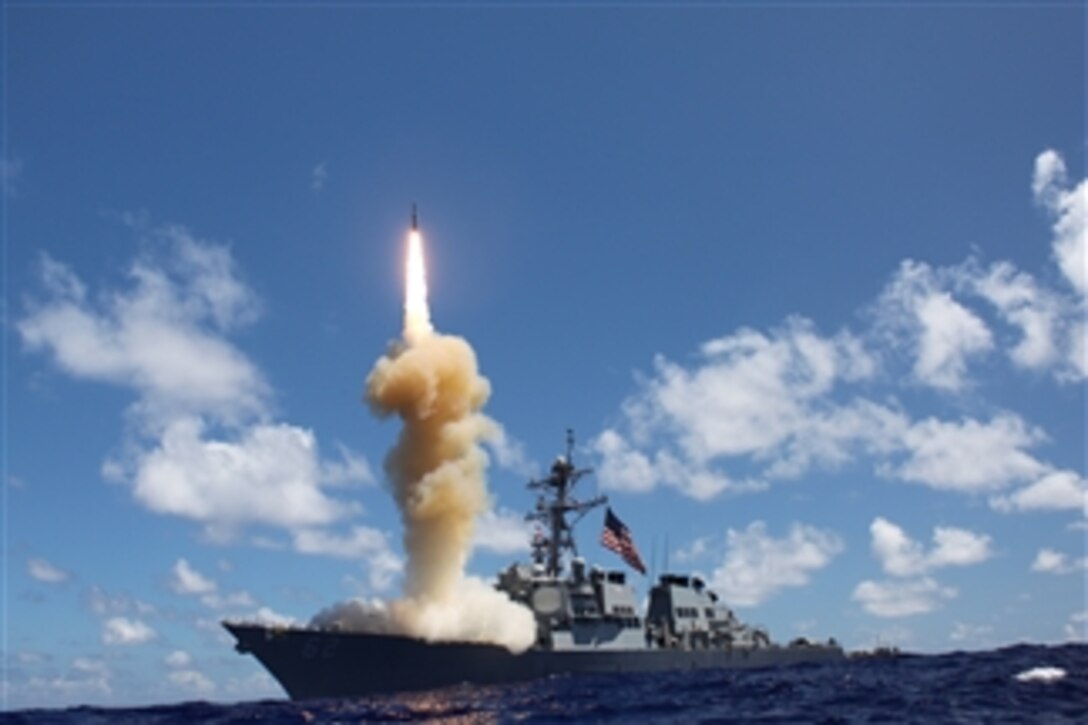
x=1026 y=683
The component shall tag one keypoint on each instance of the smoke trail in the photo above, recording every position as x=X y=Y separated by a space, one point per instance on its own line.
x=437 y=467
x=437 y=470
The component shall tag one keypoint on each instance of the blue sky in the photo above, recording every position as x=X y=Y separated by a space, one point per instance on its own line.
x=808 y=283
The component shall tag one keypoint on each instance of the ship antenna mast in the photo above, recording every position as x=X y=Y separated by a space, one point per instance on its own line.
x=553 y=505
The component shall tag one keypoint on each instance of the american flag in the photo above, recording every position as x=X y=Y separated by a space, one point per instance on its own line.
x=617 y=538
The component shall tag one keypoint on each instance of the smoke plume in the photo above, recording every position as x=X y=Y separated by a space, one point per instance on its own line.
x=437 y=472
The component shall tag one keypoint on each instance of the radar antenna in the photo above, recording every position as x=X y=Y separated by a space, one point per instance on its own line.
x=553 y=505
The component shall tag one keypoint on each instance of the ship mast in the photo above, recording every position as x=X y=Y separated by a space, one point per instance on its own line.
x=553 y=505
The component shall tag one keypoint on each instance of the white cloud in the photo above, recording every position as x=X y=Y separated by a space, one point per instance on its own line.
x=1054 y=491
x=508 y=452
x=1024 y=304
x=901 y=598
x=162 y=337
x=121 y=630
x=901 y=556
x=1069 y=209
x=502 y=532
x=950 y=334
x=958 y=547
x=694 y=551
x=178 y=659
x=969 y=456
x=1056 y=562
x=834 y=436
x=270 y=476
x=757 y=565
x=366 y=545
x=187 y=580
x=91 y=666
x=943 y=333
x=351 y=468
x=762 y=397
x=1078 y=350
x=750 y=390
x=43 y=571
x=770 y=403
x=192 y=681
x=85 y=680
x=623 y=468
x=204 y=446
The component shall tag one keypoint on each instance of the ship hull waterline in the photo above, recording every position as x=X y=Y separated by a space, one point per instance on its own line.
x=312 y=664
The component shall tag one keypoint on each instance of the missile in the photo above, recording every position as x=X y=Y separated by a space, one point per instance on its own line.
x=415 y=219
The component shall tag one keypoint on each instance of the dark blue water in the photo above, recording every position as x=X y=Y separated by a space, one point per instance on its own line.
x=959 y=687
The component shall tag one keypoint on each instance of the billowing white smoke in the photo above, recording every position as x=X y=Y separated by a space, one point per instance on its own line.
x=436 y=471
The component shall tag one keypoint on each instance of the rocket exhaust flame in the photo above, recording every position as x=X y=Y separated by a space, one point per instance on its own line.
x=436 y=472
x=417 y=313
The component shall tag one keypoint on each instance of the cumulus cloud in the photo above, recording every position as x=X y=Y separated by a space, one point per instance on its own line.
x=912 y=593
x=84 y=680
x=1023 y=303
x=161 y=337
x=202 y=443
x=694 y=551
x=124 y=631
x=901 y=598
x=623 y=468
x=901 y=556
x=770 y=401
x=508 y=452
x=1068 y=207
x=763 y=397
x=942 y=333
x=1053 y=491
x=1055 y=562
x=187 y=580
x=178 y=659
x=269 y=475
x=969 y=455
x=757 y=565
x=363 y=544
x=502 y=531
x=43 y=571
x=192 y=681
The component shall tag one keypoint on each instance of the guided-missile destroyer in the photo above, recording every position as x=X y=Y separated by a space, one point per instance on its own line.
x=587 y=621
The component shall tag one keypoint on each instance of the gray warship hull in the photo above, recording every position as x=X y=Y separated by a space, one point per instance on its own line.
x=310 y=663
